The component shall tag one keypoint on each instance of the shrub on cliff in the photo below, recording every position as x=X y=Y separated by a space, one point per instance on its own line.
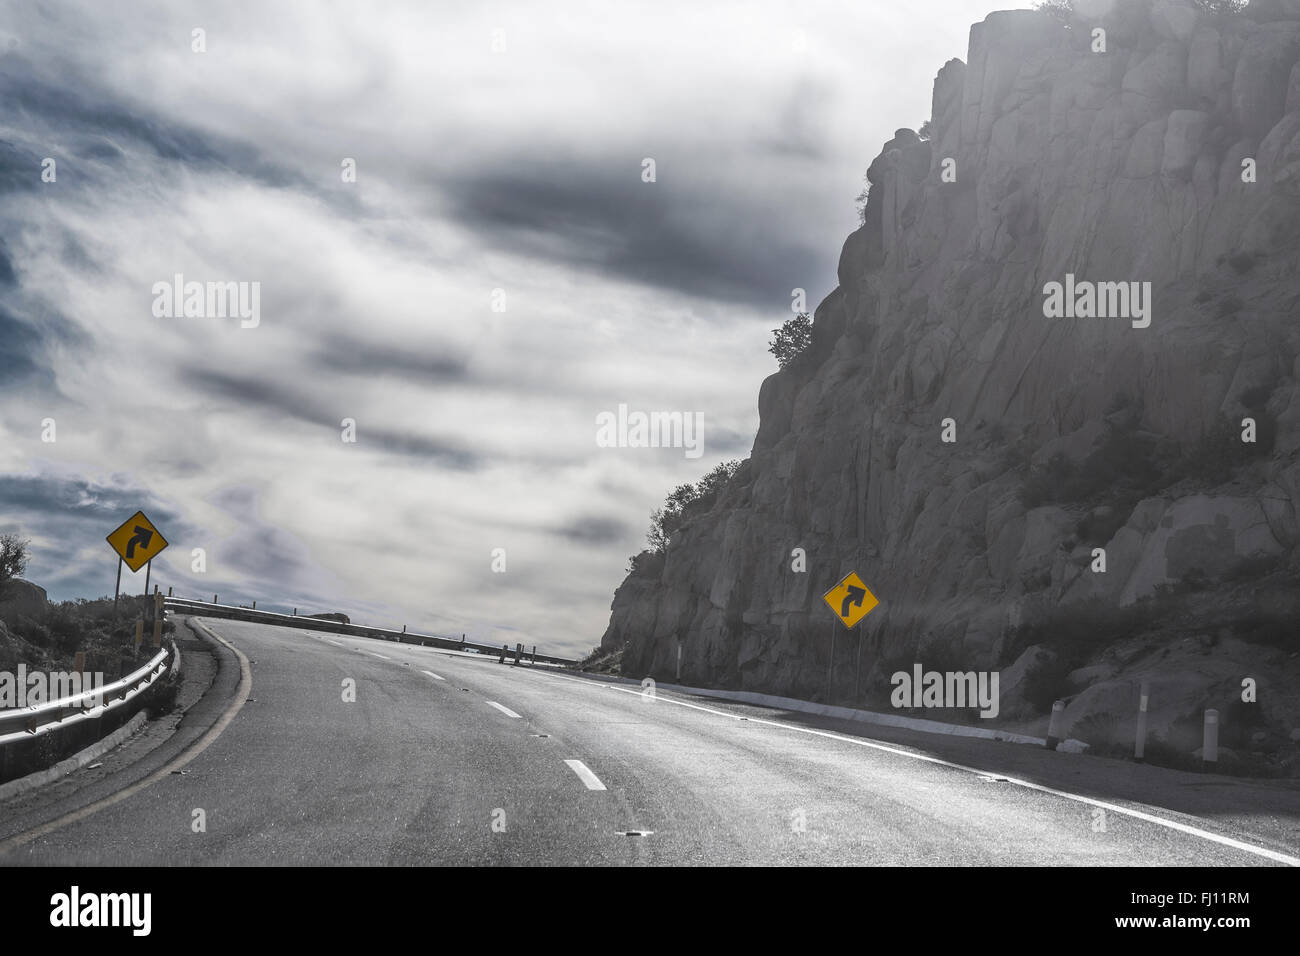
x=687 y=500
x=1066 y=12
x=1220 y=7
x=791 y=339
x=1061 y=9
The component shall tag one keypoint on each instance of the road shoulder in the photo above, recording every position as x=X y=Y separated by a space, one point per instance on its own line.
x=210 y=680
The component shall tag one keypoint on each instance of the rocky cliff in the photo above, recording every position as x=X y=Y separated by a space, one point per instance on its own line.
x=1170 y=156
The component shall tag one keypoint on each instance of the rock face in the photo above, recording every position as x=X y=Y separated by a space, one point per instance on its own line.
x=22 y=599
x=1169 y=159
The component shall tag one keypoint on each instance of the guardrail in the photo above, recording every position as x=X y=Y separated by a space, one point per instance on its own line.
x=207 y=609
x=28 y=722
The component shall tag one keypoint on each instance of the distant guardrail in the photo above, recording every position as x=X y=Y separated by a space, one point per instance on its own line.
x=209 y=609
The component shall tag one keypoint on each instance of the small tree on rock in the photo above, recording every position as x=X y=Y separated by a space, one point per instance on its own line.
x=685 y=499
x=13 y=559
x=791 y=339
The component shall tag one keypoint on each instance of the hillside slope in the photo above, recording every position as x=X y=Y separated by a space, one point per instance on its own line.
x=1071 y=433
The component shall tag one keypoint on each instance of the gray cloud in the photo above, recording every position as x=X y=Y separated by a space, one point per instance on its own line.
x=45 y=102
x=20 y=347
x=360 y=357
x=283 y=400
x=594 y=530
x=7 y=274
x=97 y=129
x=248 y=392
x=260 y=550
x=20 y=169
x=693 y=231
x=81 y=500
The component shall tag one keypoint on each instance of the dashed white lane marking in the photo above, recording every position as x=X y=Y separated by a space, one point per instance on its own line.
x=381 y=656
x=1219 y=838
x=433 y=675
x=585 y=775
x=335 y=643
x=505 y=710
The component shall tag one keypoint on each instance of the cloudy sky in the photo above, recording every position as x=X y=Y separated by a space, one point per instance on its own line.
x=498 y=146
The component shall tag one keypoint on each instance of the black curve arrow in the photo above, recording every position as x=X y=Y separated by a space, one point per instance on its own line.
x=143 y=536
x=854 y=596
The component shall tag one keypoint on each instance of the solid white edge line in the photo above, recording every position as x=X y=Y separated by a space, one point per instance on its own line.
x=505 y=710
x=433 y=675
x=584 y=773
x=1028 y=785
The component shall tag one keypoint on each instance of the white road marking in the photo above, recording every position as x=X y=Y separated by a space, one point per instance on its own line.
x=373 y=654
x=433 y=675
x=505 y=710
x=335 y=643
x=1029 y=785
x=585 y=775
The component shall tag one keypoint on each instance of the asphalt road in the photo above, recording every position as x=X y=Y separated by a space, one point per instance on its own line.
x=447 y=758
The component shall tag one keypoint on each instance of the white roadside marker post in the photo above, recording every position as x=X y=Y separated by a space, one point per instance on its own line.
x=1054 y=725
x=1210 y=748
x=1140 y=746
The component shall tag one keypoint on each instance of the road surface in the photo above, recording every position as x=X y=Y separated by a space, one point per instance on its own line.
x=445 y=758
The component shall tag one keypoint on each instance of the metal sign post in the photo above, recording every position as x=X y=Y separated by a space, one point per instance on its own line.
x=117 y=588
x=857 y=681
x=830 y=669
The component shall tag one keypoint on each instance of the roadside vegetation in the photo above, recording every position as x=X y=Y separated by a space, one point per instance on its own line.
x=50 y=636
x=685 y=502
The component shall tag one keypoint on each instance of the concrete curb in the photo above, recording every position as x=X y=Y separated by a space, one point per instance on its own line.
x=863 y=716
x=78 y=760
